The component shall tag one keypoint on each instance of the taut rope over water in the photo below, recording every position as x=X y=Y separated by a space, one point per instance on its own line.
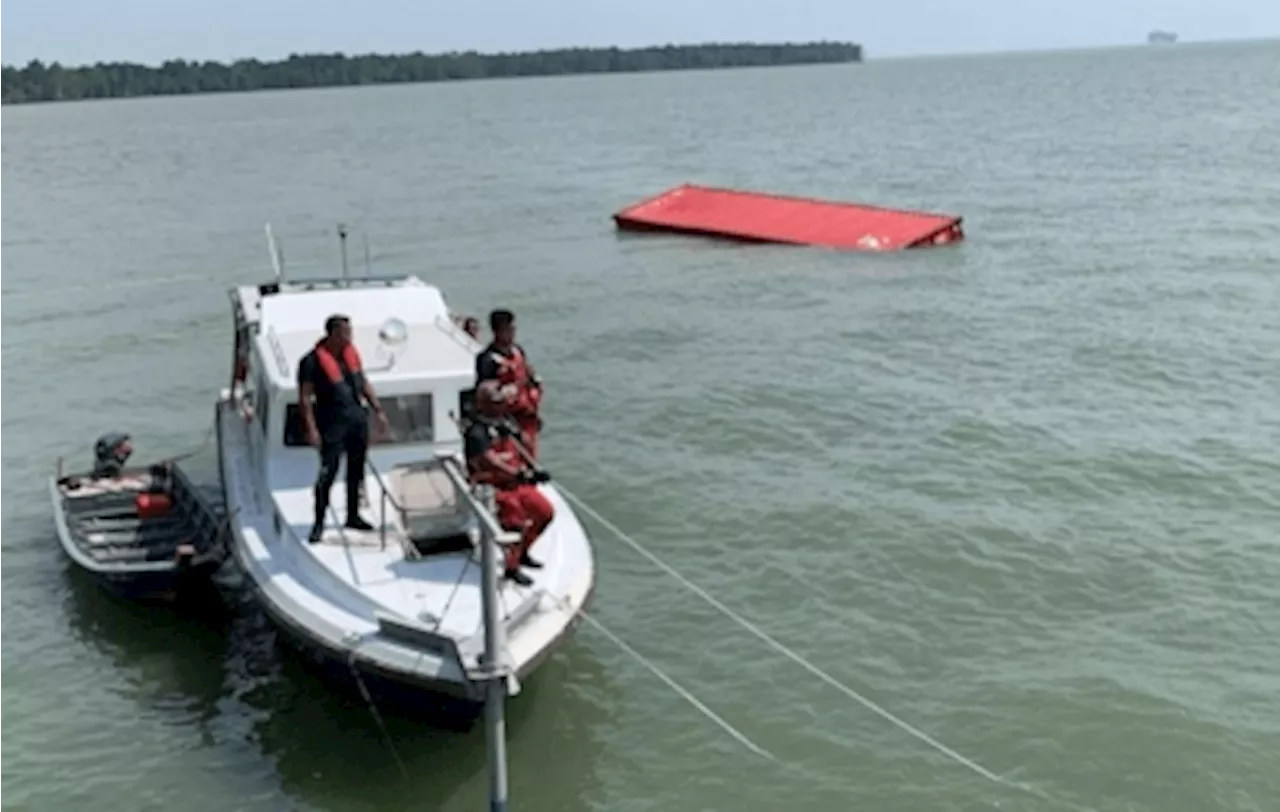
x=675 y=686
x=869 y=704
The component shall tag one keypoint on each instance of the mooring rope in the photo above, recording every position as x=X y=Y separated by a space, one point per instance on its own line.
x=684 y=693
x=869 y=704
x=373 y=710
x=675 y=686
x=208 y=438
x=209 y=434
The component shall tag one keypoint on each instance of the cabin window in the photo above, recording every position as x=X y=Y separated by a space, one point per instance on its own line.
x=411 y=419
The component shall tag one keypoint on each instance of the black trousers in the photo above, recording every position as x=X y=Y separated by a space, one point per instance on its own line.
x=353 y=440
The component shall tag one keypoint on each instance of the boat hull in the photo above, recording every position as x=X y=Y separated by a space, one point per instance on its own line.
x=352 y=677
x=191 y=584
x=447 y=703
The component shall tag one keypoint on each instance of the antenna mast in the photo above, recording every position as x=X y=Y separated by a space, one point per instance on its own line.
x=342 y=238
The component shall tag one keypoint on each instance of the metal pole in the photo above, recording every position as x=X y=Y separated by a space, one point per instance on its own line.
x=495 y=667
x=277 y=259
x=496 y=685
x=342 y=237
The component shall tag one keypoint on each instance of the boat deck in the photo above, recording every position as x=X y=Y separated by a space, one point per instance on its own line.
x=440 y=589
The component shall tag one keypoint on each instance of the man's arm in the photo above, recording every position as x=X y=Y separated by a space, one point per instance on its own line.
x=370 y=396
x=487 y=367
x=480 y=455
x=306 y=389
x=494 y=462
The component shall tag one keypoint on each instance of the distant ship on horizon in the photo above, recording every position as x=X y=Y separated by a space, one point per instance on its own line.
x=1161 y=38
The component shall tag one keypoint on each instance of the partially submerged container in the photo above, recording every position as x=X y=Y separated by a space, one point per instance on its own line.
x=758 y=217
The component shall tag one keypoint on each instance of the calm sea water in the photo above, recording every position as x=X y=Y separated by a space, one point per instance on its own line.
x=1024 y=492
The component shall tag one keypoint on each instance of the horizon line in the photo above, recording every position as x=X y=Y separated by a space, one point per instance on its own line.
x=1111 y=46
x=690 y=44
x=446 y=53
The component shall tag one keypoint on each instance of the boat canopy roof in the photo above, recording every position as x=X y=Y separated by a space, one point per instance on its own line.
x=402 y=330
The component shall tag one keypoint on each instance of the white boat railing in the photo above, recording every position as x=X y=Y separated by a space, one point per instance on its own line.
x=385 y=498
x=494 y=672
x=310 y=283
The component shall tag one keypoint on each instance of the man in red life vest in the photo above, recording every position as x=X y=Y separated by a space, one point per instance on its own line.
x=337 y=423
x=494 y=459
x=505 y=361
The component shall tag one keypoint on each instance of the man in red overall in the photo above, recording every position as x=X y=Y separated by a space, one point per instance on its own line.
x=494 y=459
x=505 y=361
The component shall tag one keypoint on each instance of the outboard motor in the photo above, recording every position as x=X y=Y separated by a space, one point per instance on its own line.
x=110 y=453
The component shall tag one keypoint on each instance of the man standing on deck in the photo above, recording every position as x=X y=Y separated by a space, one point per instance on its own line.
x=504 y=361
x=337 y=423
x=493 y=459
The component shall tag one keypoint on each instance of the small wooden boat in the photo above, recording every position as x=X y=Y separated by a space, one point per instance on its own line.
x=143 y=533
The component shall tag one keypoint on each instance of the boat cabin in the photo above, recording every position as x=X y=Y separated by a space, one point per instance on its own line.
x=418 y=359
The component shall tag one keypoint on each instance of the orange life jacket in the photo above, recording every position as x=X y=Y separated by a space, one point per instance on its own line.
x=350 y=356
x=514 y=369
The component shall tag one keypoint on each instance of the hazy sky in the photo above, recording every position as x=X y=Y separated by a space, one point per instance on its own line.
x=79 y=31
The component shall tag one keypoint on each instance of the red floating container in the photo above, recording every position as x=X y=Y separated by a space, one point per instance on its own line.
x=753 y=216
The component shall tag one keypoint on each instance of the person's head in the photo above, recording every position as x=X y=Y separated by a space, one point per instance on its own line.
x=503 y=325
x=110 y=453
x=337 y=331
x=471 y=325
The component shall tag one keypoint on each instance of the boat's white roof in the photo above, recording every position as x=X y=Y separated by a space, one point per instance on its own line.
x=292 y=321
x=295 y=308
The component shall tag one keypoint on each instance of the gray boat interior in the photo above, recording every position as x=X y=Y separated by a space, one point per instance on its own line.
x=103 y=522
x=430 y=511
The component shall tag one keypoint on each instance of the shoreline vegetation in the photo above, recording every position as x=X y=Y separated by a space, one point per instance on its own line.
x=37 y=82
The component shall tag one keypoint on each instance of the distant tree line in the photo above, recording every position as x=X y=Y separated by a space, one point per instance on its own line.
x=39 y=82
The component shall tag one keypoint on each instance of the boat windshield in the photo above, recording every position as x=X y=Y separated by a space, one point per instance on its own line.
x=409 y=418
